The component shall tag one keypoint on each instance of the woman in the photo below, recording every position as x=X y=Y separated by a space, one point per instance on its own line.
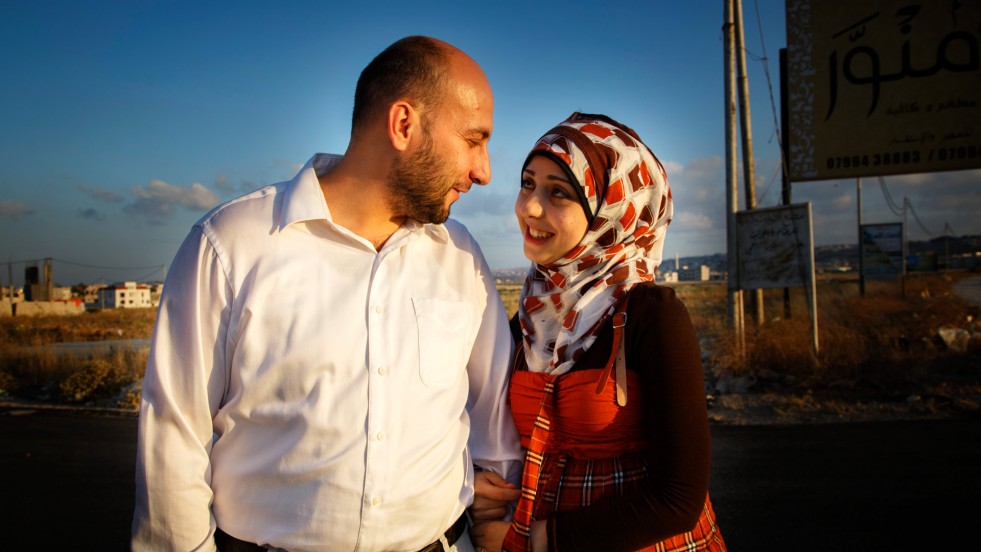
x=607 y=389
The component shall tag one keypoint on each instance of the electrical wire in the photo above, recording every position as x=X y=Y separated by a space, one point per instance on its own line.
x=769 y=85
x=919 y=222
x=896 y=210
x=156 y=267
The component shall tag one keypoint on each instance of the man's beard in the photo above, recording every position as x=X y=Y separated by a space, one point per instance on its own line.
x=418 y=185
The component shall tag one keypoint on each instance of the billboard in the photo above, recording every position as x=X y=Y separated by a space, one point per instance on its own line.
x=882 y=87
x=775 y=247
x=882 y=249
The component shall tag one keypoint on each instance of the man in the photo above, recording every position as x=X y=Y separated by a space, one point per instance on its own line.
x=326 y=346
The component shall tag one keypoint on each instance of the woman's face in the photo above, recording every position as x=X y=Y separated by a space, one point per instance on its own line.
x=548 y=210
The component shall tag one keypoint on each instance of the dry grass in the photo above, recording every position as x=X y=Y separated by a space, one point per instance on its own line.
x=510 y=293
x=22 y=331
x=880 y=346
x=883 y=342
x=31 y=369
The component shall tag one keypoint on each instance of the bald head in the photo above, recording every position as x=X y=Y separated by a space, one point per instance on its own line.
x=416 y=68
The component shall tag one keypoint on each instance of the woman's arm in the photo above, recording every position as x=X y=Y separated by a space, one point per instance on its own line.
x=662 y=348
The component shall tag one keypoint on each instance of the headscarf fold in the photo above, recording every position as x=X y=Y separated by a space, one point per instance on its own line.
x=625 y=194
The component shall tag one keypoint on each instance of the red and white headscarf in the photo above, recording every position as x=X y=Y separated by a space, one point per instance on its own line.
x=628 y=204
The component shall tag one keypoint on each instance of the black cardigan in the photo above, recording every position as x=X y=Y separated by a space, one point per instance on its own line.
x=662 y=348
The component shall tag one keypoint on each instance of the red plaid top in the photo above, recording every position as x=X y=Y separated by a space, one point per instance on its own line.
x=582 y=448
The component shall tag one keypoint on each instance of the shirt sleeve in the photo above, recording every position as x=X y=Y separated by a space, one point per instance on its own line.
x=182 y=390
x=494 y=443
x=663 y=349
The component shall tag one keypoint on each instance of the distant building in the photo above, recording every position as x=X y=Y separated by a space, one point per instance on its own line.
x=11 y=293
x=697 y=273
x=667 y=277
x=61 y=293
x=125 y=295
x=91 y=293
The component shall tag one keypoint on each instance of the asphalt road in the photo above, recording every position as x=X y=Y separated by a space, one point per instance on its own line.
x=66 y=482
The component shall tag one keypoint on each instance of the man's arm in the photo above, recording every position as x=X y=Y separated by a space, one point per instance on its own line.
x=494 y=441
x=182 y=389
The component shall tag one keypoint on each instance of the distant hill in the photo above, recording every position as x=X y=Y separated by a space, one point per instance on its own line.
x=963 y=252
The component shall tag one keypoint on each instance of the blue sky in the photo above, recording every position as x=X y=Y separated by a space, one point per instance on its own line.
x=124 y=122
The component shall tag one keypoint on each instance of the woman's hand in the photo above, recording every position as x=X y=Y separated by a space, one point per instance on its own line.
x=491 y=496
x=489 y=536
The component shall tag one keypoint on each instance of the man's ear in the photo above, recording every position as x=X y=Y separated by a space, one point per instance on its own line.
x=403 y=122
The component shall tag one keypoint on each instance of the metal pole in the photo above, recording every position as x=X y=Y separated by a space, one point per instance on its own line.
x=861 y=241
x=746 y=128
x=947 y=232
x=785 y=149
x=732 y=192
x=903 y=271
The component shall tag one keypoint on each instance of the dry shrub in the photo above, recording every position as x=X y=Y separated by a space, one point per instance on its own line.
x=42 y=374
x=29 y=373
x=884 y=338
x=777 y=347
x=95 y=380
x=102 y=378
x=510 y=293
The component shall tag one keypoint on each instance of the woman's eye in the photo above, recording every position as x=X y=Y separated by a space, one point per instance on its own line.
x=527 y=184
x=560 y=192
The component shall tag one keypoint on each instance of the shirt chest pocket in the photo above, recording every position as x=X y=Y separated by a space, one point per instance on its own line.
x=444 y=335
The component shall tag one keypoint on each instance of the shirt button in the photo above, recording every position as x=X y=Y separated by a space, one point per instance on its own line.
x=381 y=436
x=382 y=371
x=375 y=501
x=378 y=310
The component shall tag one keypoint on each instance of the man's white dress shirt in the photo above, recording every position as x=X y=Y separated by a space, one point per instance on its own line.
x=308 y=392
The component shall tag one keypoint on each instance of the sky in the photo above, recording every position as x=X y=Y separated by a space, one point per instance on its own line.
x=122 y=123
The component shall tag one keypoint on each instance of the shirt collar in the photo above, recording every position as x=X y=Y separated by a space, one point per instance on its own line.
x=304 y=199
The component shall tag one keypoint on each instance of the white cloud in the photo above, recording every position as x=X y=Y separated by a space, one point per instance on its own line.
x=14 y=209
x=102 y=195
x=672 y=167
x=224 y=184
x=692 y=221
x=159 y=199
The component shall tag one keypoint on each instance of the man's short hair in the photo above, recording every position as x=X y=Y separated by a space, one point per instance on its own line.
x=414 y=68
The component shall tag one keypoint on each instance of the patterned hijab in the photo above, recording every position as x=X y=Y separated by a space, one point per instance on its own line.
x=625 y=194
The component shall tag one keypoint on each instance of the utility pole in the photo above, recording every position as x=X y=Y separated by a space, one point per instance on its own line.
x=861 y=241
x=735 y=302
x=947 y=232
x=785 y=192
x=745 y=124
x=903 y=271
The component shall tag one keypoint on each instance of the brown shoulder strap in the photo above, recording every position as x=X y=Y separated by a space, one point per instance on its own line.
x=617 y=356
x=621 y=378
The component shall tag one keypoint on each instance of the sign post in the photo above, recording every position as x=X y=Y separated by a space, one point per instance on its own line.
x=776 y=250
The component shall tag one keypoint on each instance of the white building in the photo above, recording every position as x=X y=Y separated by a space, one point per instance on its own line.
x=698 y=273
x=125 y=295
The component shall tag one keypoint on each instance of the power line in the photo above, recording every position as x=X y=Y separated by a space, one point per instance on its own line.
x=918 y=221
x=157 y=267
x=896 y=210
x=769 y=86
x=908 y=205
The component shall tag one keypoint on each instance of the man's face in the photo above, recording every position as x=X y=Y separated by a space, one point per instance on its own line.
x=452 y=153
x=420 y=185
